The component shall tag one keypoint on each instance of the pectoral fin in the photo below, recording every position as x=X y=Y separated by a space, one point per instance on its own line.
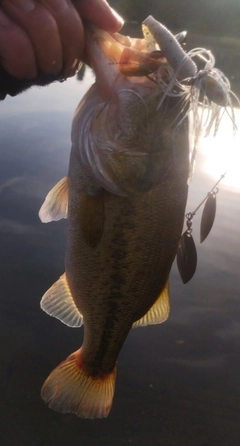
x=158 y=313
x=55 y=206
x=58 y=302
x=92 y=218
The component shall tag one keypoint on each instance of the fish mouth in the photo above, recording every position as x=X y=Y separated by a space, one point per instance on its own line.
x=131 y=55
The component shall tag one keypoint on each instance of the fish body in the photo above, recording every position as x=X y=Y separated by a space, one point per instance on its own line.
x=126 y=193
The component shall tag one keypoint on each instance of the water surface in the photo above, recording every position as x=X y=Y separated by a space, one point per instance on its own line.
x=177 y=383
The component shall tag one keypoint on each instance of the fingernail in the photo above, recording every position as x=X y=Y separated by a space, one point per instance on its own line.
x=118 y=17
x=76 y=66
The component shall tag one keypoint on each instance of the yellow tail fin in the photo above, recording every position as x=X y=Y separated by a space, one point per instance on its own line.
x=69 y=389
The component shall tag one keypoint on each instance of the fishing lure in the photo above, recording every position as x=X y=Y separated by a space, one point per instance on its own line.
x=170 y=48
x=211 y=81
x=208 y=86
x=186 y=252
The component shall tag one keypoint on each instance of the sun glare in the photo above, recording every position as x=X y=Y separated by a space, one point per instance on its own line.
x=222 y=152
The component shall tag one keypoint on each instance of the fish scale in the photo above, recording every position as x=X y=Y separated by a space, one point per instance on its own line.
x=126 y=192
x=146 y=271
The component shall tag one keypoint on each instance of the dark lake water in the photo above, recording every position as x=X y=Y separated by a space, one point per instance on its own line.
x=178 y=383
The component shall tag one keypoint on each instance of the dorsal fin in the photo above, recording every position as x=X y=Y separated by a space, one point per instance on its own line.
x=158 y=313
x=55 y=205
x=58 y=302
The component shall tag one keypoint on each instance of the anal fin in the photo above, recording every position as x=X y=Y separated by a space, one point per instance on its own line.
x=55 y=206
x=158 y=313
x=58 y=302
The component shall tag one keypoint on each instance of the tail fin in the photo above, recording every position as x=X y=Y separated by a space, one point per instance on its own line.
x=70 y=389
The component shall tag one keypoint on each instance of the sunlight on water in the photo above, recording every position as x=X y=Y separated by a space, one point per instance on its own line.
x=222 y=153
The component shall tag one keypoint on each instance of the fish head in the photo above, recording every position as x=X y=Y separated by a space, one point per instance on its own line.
x=126 y=143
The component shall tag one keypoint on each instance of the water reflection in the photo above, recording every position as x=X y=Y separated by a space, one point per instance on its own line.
x=177 y=384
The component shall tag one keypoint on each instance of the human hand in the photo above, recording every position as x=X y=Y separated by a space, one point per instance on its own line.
x=47 y=36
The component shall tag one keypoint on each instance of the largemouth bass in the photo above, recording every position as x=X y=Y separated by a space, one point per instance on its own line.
x=124 y=198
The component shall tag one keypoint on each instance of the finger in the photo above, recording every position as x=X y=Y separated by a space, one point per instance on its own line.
x=71 y=33
x=42 y=30
x=100 y=13
x=16 y=52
